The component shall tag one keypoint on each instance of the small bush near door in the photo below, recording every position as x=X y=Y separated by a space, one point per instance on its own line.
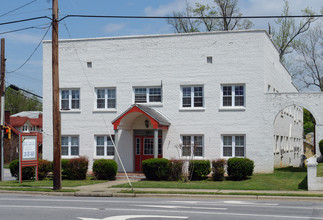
x=218 y=169
x=75 y=169
x=156 y=169
x=104 y=169
x=176 y=170
x=240 y=168
x=199 y=169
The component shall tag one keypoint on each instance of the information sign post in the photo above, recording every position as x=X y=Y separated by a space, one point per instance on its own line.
x=28 y=153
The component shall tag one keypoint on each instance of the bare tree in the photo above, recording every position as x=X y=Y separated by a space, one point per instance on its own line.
x=226 y=9
x=286 y=38
x=310 y=49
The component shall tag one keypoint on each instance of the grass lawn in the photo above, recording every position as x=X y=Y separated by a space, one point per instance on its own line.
x=320 y=169
x=282 y=179
x=49 y=183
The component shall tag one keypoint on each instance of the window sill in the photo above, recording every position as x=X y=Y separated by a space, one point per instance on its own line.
x=70 y=157
x=191 y=109
x=113 y=110
x=71 y=111
x=242 y=108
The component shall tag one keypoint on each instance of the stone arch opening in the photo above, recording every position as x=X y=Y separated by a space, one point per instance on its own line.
x=292 y=144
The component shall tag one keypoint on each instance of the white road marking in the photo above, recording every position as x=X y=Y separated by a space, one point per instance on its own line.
x=180 y=207
x=46 y=207
x=248 y=203
x=124 y=217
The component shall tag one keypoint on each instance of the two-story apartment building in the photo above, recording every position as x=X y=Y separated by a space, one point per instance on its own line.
x=172 y=96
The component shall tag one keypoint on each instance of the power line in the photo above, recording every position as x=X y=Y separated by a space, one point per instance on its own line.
x=18 y=8
x=26 y=28
x=172 y=17
x=32 y=52
x=23 y=20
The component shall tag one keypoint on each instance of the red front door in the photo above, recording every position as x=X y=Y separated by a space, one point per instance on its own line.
x=144 y=149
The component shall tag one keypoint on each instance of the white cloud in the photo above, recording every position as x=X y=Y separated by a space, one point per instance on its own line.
x=163 y=10
x=113 y=27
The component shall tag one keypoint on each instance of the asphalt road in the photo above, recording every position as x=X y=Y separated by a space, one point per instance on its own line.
x=13 y=207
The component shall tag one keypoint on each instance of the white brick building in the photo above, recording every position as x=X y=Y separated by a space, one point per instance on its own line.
x=167 y=92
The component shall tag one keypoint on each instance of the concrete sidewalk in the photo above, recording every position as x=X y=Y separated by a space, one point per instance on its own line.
x=105 y=190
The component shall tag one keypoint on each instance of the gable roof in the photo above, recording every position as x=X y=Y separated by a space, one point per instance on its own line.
x=20 y=121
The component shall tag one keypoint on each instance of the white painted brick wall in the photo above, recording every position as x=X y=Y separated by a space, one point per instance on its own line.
x=171 y=60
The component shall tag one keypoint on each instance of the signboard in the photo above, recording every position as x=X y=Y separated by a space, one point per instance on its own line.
x=28 y=153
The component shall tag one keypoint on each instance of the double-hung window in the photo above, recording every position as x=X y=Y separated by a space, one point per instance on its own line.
x=106 y=98
x=104 y=146
x=70 y=145
x=70 y=99
x=192 y=145
x=233 y=95
x=192 y=96
x=233 y=146
x=148 y=95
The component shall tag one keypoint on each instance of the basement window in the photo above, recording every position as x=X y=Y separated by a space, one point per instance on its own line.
x=89 y=64
x=209 y=60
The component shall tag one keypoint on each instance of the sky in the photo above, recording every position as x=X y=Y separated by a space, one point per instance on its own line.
x=21 y=44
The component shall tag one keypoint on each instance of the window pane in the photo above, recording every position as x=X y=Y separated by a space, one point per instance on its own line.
x=100 y=141
x=100 y=98
x=110 y=151
x=227 y=146
x=75 y=99
x=159 y=146
x=74 y=151
x=137 y=146
x=99 y=151
x=140 y=95
x=65 y=99
x=100 y=103
x=227 y=151
x=64 y=141
x=65 y=94
x=187 y=97
x=198 y=151
x=111 y=98
x=227 y=96
x=239 y=96
x=149 y=146
x=239 y=146
x=64 y=151
x=227 y=141
x=239 y=152
x=186 y=149
x=155 y=95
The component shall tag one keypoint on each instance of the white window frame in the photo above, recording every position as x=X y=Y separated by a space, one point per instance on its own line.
x=106 y=98
x=233 y=96
x=233 y=145
x=192 y=137
x=69 y=146
x=148 y=95
x=105 y=146
x=70 y=100
x=192 y=97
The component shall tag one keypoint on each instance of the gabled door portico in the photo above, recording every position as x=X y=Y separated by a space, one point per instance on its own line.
x=141 y=118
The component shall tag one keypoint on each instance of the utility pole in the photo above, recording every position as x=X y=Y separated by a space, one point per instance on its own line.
x=57 y=176
x=2 y=90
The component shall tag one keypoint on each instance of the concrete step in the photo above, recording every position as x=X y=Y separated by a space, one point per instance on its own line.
x=131 y=176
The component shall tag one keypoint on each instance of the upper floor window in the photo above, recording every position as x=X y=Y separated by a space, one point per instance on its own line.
x=233 y=95
x=104 y=146
x=25 y=128
x=70 y=99
x=192 y=96
x=106 y=98
x=70 y=145
x=192 y=145
x=148 y=95
x=233 y=146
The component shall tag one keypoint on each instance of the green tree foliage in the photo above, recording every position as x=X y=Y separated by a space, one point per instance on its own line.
x=309 y=121
x=221 y=8
x=17 y=101
x=286 y=38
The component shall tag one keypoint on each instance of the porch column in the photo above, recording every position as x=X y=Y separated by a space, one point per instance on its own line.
x=155 y=143
x=116 y=140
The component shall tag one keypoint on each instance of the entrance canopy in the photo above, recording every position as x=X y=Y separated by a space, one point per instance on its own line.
x=157 y=120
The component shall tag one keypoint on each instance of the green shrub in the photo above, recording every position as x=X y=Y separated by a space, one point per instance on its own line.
x=44 y=167
x=199 y=169
x=321 y=146
x=176 y=169
x=240 y=168
x=75 y=169
x=28 y=173
x=65 y=170
x=156 y=168
x=105 y=169
x=218 y=169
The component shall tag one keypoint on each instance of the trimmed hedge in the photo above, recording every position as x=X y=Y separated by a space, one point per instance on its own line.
x=28 y=173
x=321 y=146
x=218 y=169
x=104 y=169
x=176 y=170
x=240 y=168
x=74 y=169
x=44 y=167
x=156 y=168
x=199 y=169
